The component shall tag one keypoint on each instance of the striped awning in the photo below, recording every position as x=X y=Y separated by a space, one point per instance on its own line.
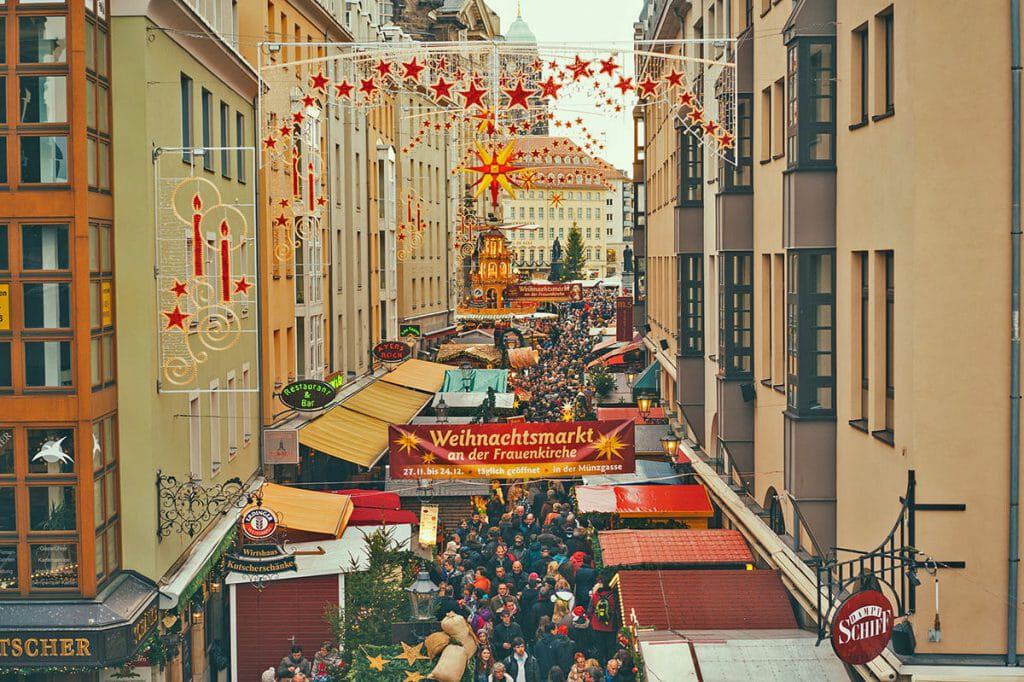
x=417 y=374
x=308 y=510
x=347 y=435
x=387 y=402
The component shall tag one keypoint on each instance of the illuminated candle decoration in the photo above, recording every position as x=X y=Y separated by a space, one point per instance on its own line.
x=225 y=262
x=197 y=239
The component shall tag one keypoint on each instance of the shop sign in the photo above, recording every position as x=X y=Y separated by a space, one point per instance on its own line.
x=259 y=523
x=862 y=627
x=413 y=331
x=392 y=351
x=516 y=450
x=550 y=293
x=41 y=648
x=624 y=318
x=308 y=394
x=336 y=379
x=428 y=524
x=5 y=307
x=280 y=446
x=106 y=305
x=260 y=559
x=145 y=624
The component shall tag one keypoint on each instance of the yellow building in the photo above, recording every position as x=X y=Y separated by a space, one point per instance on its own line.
x=832 y=312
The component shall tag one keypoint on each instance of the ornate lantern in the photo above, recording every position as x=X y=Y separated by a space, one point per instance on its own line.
x=423 y=597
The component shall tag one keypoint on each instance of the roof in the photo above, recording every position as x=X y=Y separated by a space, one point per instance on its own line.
x=769 y=655
x=370 y=516
x=117 y=604
x=536 y=149
x=706 y=599
x=648 y=440
x=613 y=413
x=347 y=435
x=647 y=470
x=338 y=555
x=369 y=499
x=387 y=402
x=468 y=399
x=485 y=352
x=649 y=379
x=519 y=358
x=308 y=510
x=479 y=381
x=670 y=547
x=617 y=356
x=519 y=31
x=644 y=500
x=418 y=374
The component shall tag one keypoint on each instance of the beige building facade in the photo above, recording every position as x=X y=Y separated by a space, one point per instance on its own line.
x=836 y=306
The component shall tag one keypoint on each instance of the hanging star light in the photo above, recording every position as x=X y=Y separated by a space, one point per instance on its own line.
x=496 y=171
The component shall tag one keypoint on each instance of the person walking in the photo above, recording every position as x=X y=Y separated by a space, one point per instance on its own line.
x=521 y=666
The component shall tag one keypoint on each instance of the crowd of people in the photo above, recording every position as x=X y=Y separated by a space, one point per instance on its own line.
x=523 y=575
x=558 y=377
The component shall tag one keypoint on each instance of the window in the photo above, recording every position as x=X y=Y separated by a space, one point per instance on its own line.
x=60 y=443
x=42 y=40
x=51 y=508
x=736 y=314
x=188 y=140
x=5 y=366
x=886 y=75
x=766 y=124
x=240 y=143
x=44 y=159
x=811 y=74
x=44 y=247
x=101 y=305
x=691 y=287
x=43 y=99
x=47 y=364
x=54 y=566
x=778 y=344
x=214 y=418
x=739 y=176
x=890 y=356
x=859 y=82
x=207 y=113
x=225 y=137
x=863 y=356
x=47 y=305
x=97 y=103
x=691 y=170
x=778 y=118
x=810 y=340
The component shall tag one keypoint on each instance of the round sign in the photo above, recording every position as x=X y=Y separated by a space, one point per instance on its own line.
x=308 y=394
x=259 y=523
x=392 y=351
x=862 y=627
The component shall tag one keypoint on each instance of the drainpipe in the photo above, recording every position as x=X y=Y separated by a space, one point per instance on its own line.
x=1014 y=549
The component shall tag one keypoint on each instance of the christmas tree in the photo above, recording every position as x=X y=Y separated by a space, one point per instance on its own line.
x=573 y=262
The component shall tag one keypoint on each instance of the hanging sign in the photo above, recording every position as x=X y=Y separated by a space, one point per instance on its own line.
x=392 y=351
x=307 y=395
x=516 y=450
x=862 y=627
x=259 y=523
x=5 y=307
x=280 y=446
x=428 y=525
x=336 y=379
x=260 y=559
x=410 y=330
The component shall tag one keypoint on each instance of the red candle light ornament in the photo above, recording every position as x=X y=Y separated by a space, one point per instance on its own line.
x=225 y=262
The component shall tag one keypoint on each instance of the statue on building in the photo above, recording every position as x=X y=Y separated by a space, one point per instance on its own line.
x=556 y=262
x=627 y=260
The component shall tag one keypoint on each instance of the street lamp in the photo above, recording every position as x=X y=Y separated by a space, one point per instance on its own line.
x=643 y=406
x=467 y=376
x=441 y=409
x=422 y=597
x=630 y=377
x=670 y=444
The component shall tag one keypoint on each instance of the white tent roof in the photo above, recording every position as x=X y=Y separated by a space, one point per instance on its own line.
x=337 y=557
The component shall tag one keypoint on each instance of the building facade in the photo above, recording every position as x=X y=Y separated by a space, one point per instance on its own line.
x=795 y=297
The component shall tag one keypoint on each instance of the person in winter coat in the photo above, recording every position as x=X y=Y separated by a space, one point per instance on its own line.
x=505 y=632
x=484 y=665
x=542 y=607
x=553 y=649
x=604 y=618
x=294 y=663
x=521 y=666
x=578 y=671
x=498 y=674
x=585 y=579
x=580 y=632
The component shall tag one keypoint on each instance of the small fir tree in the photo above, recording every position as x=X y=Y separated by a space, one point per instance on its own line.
x=574 y=261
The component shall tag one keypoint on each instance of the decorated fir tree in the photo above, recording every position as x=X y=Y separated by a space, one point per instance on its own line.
x=573 y=261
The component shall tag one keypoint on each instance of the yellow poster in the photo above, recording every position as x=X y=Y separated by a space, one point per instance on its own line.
x=106 y=305
x=5 y=307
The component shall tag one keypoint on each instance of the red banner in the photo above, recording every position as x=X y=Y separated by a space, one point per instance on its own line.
x=517 y=450
x=552 y=293
x=624 y=318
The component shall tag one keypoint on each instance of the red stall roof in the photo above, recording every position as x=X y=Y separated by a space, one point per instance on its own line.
x=706 y=599
x=673 y=547
x=370 y=516
x=616 y=413
x=644 y=500
x=607 y=358
x=374 y=499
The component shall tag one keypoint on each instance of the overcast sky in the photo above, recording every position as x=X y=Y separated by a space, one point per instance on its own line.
x=585 y=21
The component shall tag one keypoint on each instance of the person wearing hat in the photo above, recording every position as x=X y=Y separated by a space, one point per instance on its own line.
x=505 y=632
x=580 y=632
x=553 y=649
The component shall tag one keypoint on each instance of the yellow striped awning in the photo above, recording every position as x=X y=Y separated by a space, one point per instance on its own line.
x=418 y=374
x=387 y=402
x=308 y=510
x=347 y=435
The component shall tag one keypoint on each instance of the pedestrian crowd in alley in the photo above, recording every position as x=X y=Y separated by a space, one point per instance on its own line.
x=522 y=573
x=558 y=376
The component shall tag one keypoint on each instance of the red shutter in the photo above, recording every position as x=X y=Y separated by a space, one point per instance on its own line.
x=266 y=620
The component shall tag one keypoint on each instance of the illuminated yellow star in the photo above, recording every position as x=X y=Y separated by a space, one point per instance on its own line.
x=413 y=676
x=496 y=171
x=376 y=662
x=556 y=199
x=608 y=446
x=429 y=457
x=408 y=442
x=567 y=412
x=411 y=654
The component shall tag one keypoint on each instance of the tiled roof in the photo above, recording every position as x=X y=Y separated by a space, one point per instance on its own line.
x=674 y=547
x=706 y=599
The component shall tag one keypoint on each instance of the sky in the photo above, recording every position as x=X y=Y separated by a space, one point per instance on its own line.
x=585 y=21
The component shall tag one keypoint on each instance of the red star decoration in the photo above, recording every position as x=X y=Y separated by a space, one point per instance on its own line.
x=298 y=117
x=175 y=318
x=710 y=127
x=686 y=98
x=179 y=289
x=550 y=88
x=308 y=101
x=536 y=65
x=725 y=140
x=472 y=96
x=284 y=203
x=519 y=95
x=608 y=66
x=648 y=87
x=442 y=88
x=383 y=68
x=695 y=116
x=368 y=87
x=319 y=81
x=674 y=78
x=270 y=142
x=580 y=68
x=553 y=65
x=285 y=130
x=242 y=286
x=447 y=125
x=413 y=69
x=281 y=220
x=513 y=129
x=625 y=84
x=344 y=89
x=459 y=74
x=320 y=201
